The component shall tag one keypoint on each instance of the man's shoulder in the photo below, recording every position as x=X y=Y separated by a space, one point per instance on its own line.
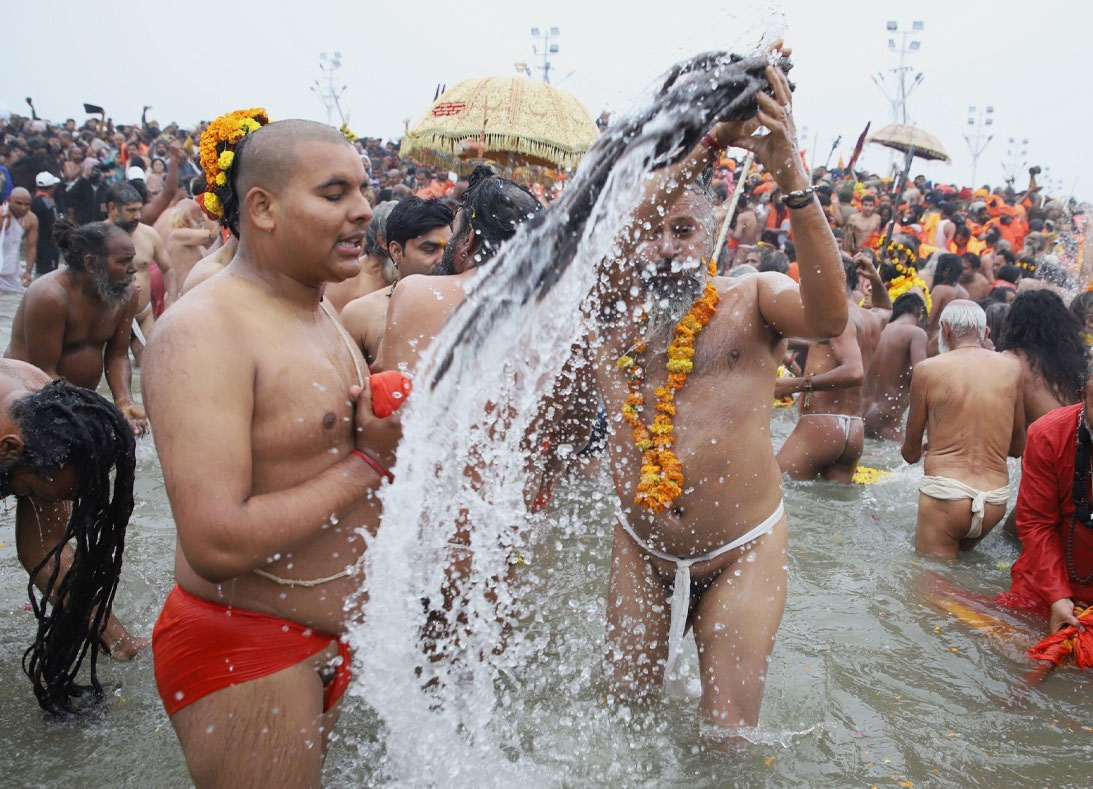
x=366 y=305
x=48 y=289
x=1057 y=423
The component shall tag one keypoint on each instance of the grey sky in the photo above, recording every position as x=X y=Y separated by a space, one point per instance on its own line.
x=198 y=63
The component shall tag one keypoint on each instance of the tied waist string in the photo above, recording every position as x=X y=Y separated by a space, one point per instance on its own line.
x=674 y=685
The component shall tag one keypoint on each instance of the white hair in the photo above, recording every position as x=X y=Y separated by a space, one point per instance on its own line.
x=962 y=317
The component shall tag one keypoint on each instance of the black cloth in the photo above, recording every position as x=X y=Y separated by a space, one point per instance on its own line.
x=48 y=252
x=80 y=198
x=99 y=212
x=24 y=171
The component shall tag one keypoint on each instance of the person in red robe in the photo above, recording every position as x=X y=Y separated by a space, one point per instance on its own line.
x=1055 y=568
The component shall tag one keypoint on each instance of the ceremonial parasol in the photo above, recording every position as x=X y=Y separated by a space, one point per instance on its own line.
x=514 y=120
x=910 y=139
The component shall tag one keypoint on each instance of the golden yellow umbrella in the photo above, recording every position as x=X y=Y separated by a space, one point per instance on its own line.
x=904 y=137
x=514 y=120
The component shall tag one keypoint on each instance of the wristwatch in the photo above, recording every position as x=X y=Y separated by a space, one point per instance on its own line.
x=799 y=198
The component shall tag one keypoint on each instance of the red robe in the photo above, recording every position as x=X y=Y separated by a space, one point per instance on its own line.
x=1045 y=509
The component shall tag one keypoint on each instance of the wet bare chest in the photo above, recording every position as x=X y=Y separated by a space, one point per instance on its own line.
x=302 y=411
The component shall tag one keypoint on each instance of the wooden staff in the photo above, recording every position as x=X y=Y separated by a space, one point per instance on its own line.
x=738 y=190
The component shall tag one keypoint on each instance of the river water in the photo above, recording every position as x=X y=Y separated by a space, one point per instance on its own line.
x=869 y=683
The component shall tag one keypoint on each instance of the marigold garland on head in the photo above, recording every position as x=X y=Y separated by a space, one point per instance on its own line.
x=902 y=259
x=218 y=144
x=661 y=480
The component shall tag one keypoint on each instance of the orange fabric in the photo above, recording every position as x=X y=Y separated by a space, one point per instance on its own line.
x=974 y=246
x=432 y=190
x=1068 y=641
x=389 y=391
x=200 y=647
x=794 y=271
x=994 y=205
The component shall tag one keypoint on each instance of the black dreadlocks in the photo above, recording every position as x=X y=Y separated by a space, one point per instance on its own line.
x=66 y=425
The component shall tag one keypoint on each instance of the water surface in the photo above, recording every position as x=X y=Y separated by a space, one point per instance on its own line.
x=868 y=685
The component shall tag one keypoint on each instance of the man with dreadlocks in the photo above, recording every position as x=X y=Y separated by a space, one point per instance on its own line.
x=75 y=322
x=271 y=487
x=1054 y=520
x=701 y=533
x=59 y=445
x=490 y=210
x=1044 y=336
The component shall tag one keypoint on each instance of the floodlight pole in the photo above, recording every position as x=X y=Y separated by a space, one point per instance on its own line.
x=328 y=95
x=546 y=46
x=978 y=119
x=901 y=89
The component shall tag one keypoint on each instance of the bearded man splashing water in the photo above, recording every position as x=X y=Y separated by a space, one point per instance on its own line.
x=701 y=533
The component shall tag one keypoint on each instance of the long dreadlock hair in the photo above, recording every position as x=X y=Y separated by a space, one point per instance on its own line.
x=65 y=425
x=1040 y=325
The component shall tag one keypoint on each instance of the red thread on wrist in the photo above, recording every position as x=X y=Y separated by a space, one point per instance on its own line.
x=374 y=464
x=712 y=144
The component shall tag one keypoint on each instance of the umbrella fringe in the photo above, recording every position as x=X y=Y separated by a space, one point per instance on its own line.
x=452 y=144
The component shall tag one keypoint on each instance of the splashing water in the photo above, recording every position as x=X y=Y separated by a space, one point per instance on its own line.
x=464 y=714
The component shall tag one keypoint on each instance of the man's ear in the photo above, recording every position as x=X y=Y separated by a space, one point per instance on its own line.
x=394 y=251
x=259 y=204
x=11 y=448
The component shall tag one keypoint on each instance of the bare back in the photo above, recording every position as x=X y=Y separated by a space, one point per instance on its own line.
x=365 y=319
x=971 y=398
x=887 y=389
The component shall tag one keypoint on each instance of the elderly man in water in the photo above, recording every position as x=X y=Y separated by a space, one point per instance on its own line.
x=968 y=399
x=701 y=532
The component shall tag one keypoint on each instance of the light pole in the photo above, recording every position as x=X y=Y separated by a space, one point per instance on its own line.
x=545 y=47
x=327 y=94
x=978 y=119
x=1016 y=157
x=900 y=90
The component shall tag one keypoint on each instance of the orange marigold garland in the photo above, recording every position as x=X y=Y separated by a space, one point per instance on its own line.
x=661 y=480
x=218 y=144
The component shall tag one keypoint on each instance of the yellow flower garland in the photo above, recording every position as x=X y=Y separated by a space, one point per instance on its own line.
x=218 y=153
x=661 y=480
x=908 y=277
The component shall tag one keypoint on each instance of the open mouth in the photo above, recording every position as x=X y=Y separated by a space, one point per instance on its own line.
x=350 y=245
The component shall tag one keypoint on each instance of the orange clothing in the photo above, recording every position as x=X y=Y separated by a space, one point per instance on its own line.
x=974 y=245
x=432 y=190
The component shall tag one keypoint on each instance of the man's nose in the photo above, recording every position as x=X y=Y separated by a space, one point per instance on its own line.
x=668 y=243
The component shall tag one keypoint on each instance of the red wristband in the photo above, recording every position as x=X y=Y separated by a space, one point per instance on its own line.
x=374 y=464
x=713 y=145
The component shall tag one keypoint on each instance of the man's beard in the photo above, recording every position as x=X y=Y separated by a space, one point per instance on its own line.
x=128 y=227
x=669 y=298
x=111 y=292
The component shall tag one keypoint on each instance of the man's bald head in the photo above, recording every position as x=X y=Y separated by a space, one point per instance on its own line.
x=19 y=202
x=265 y=157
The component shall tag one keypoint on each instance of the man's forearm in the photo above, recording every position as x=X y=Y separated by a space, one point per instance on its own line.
x=251 y=534
x=823 y=285
x=119 y=377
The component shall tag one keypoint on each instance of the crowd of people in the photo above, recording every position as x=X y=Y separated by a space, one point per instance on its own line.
x=894 y=309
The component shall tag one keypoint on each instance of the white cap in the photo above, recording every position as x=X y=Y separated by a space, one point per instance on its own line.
x=46 y=179
x=134 y=174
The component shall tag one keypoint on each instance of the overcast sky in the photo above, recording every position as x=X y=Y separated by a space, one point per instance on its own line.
x=194 y=64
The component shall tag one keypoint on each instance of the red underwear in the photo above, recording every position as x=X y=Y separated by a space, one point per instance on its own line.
x=201 y=647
